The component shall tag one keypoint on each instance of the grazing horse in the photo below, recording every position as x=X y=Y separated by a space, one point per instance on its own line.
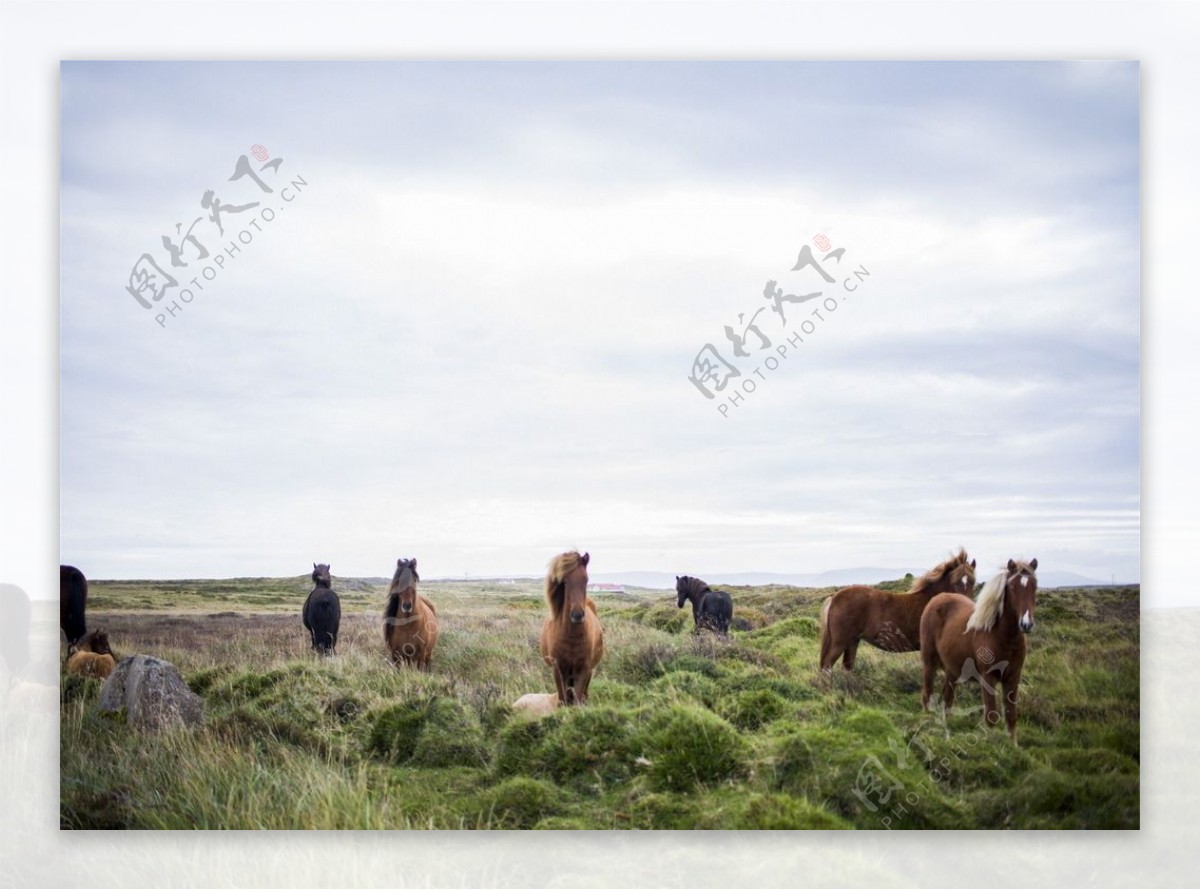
x=976 y=640
x=572 y=641
x=888 y=621
x=410 y=625
x=711 y=609
x=72 y=602
x=322 y=611
x=91 y=656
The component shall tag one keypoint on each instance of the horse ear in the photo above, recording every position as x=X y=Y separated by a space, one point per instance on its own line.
x=1012 y=566
x=1033 y=563
x=414 y=563
x=972 y=563
x=676 y=579
x=314 y=565
x=584 y=559
x=400 y=562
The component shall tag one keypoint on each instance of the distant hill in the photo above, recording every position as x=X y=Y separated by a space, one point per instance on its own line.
x=666 y=580
x=835 y=578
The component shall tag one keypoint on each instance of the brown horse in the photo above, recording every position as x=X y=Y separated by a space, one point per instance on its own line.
x=572 y=641
x=888 y=621
x=410 y=624
x=975 y=640
x=92 y=656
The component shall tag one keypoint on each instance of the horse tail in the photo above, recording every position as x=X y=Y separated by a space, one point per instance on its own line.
x=826 y=642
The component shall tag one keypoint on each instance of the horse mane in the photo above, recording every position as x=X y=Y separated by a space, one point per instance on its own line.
x=403 y=567
x=990 y=602
x=938 y=572
x=561 y=566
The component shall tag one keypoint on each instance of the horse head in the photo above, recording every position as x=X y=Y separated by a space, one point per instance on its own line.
x=682 y=590
x=575 y=591
x=961 y=578
x=320 y=575
x=1021 y=588
x=404 y=584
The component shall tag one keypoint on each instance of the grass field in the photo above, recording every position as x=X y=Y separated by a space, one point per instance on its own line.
x=680 y=732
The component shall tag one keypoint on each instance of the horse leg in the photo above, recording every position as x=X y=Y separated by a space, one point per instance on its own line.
x=561 y=685
x=990 y=714
x=1011 y=684
x=928 y=672
x=581 y=686
x=850 y=653
x=948 y=687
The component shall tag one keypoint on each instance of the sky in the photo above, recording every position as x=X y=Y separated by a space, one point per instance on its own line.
x=460 y=326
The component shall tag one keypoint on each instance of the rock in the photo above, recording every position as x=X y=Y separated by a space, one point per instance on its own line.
x=152 y=693
x=537 y=704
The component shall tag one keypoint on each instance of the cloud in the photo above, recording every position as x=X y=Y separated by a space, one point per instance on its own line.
x=469 y=335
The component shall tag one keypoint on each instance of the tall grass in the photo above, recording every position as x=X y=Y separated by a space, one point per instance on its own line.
x=680 y=731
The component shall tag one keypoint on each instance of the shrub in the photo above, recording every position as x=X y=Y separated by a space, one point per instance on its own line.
x=519 y=740
x=589 y=743
x=752 y=708
x=693 y=685
x=687 y=745
x=450 y=735
x=779 y=811
x=395 y=730
x=520 y=802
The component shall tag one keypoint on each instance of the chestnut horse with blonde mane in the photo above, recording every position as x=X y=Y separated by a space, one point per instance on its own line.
x=981 y=641
x=572 y=641
x=888 y=621
x=410 y=625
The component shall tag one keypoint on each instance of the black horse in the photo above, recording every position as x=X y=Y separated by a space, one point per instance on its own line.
x=72 y=602
x=711 y=609
x=322 y=611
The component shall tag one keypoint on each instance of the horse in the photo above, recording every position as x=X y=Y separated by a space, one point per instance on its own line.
x=572 y=641
x=72 y=603
x=91 y=656
x=322 y=612
x=711 y=609
x=957 y=633
x=410 y=626
x=888 y=621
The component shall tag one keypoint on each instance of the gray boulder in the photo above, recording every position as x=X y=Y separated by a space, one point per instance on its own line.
x=152 y=693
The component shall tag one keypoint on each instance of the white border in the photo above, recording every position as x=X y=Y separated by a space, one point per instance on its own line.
x=34 y=37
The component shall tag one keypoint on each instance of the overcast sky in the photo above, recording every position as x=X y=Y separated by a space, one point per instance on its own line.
x=467 y=337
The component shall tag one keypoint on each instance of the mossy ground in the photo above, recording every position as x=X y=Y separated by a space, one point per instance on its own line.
x=681 y=731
